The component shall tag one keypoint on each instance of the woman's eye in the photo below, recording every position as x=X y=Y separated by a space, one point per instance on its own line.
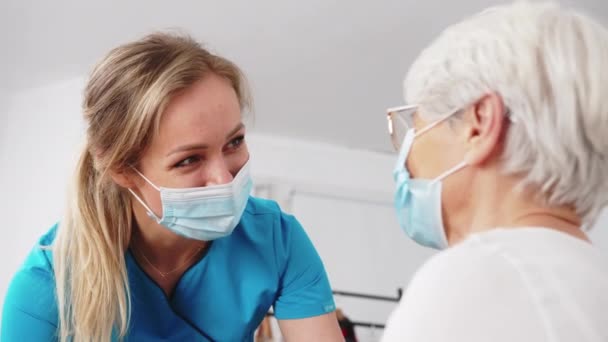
x=188 y=161
x=236 y=142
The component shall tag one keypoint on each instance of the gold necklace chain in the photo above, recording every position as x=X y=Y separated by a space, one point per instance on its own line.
x=165 y=274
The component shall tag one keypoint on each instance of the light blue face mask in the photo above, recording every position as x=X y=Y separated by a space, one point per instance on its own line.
x=203 y=213
x=418 y=201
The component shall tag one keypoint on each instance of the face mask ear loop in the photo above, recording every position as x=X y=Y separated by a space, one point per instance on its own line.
x=146 y=179
x=405 y=149
x=150 y=212
x=432 y=125
x=451 y=171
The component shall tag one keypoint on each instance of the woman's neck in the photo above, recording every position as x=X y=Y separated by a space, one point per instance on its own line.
x=161 y=247
x=505 y=207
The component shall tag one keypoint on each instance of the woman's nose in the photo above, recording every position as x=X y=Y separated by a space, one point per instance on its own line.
x=218 y=173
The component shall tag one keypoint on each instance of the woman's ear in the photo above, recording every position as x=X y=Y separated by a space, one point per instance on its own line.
x=486 y=127
x=124 y=178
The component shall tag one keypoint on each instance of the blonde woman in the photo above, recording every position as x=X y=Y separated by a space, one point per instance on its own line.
x=161 y=240
x=503 y=163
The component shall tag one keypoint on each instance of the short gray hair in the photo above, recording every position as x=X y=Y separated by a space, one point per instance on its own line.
x=550 y=66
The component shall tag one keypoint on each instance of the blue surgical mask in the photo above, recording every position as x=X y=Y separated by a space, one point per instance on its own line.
x=418 y=201
x=203 y=213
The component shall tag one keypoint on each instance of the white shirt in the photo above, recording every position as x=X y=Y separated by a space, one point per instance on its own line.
x=524 y=284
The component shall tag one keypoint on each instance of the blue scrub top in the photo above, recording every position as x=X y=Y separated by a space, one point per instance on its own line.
x=267 y=261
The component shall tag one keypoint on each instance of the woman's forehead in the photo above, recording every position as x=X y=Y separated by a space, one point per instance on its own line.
x=206 y=112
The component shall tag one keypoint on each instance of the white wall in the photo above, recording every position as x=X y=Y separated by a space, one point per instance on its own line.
x=37 y=145
x=342 y=196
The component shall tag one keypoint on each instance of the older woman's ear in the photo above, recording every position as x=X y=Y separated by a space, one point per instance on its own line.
x=485 y=128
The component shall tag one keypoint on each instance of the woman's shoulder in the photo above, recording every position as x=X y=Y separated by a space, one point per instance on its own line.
x=501 y=281
x=469 y=285
x=463 y=261
x=509 y=252
x=261 y=206
x=32 y=288
x=475 y=273
x=265 y=223
x=489 y=271
x=267 y=215
x=40 y=259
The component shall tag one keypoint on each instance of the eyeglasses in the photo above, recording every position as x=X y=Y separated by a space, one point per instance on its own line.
x=400 y=121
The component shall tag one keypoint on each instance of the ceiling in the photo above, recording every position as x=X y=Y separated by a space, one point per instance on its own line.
x=320 y=69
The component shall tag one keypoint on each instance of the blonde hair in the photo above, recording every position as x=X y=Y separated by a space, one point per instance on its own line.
x=123 y=102
x=550 y=66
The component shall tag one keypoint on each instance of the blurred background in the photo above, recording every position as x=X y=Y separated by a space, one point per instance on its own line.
x=322 y=73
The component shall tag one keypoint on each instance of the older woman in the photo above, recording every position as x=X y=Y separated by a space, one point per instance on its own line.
x=503 y=158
